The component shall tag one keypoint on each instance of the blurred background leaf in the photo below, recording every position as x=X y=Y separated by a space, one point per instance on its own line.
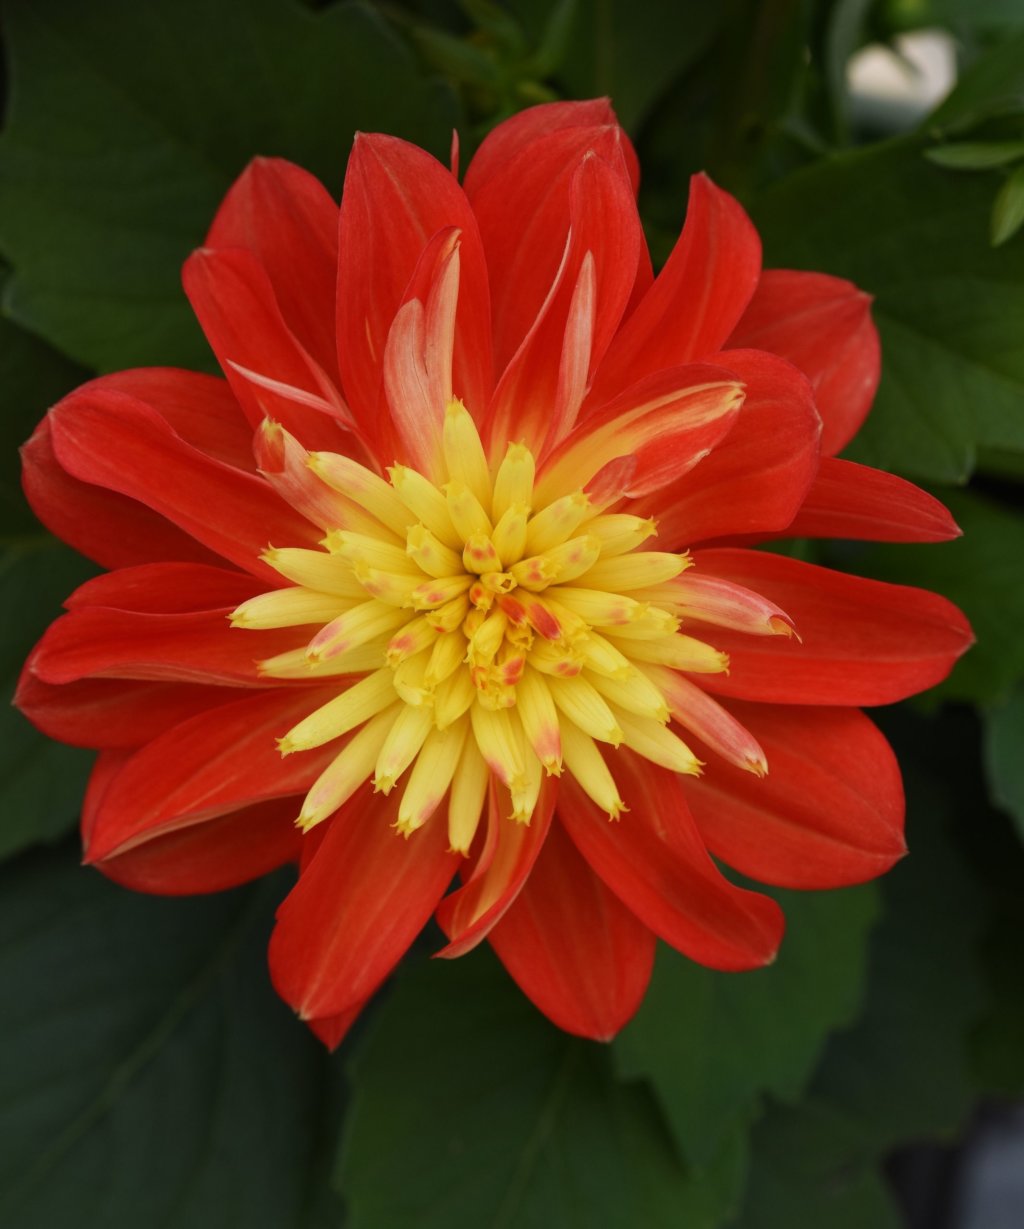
x=128 y=122
x=711 y=1045
x=41 y=782
x=508 y=1121
x=150 y=1073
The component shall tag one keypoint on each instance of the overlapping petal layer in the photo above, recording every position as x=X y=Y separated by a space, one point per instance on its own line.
x=446 y=569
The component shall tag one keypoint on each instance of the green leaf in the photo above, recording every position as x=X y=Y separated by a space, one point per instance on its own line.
x=150 y=1074
x=975 y=155
x=41 y=782
x=949 y=308
x=711 y=1044
x=902 y=1071
x=997 y=1044
x=1008 y=210
x=808 y=1167
x=1004 y=756
x=470 y=1109
x=983 y=572
x=620 y=49
x=992 y=86
x=109 y=181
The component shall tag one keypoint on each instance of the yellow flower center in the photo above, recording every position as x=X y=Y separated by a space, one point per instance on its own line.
x=494 y=632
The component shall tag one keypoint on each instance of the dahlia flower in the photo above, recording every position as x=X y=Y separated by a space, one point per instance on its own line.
x=452 y=576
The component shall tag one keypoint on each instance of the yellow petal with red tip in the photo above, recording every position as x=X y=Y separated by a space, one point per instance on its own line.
x=353 y=628
x=657 y=743
x=500 y=744
x=557 y=522
x=582 y=758
x=363 y=486
x=347 y=771
x=467 y=513
x=426 y=502
x=466 y=801
x=404 y=740
x=430 y=777
x=679 y=651
x=513 y=483
x=313 y=569
x=359 y=703
x=464 y=453
x=289 y=608
x=620 y=532
x=636 y=570
x=584 y=705
x=509 y=535
x=539 y=716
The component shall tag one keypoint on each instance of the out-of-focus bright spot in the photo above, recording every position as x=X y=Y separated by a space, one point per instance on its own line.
x=895 y=87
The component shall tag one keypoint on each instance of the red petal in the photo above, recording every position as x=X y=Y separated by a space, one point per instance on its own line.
x=757 y=475
x=514 y=135
x=573 y=948
x=201 y=409
x=198 y=647
x=215 y=763
x=286 y=218
x=210 y=857
x=233 y=298
x=829 y=813
x=863 y=641
x=524 y=212
x=854 y=501
x=332 y=1029
x=823 y=325
x=667 y=423
x=102 y=525
x=654 y=860
x=467 y=915
x=122 y=444
x=357 y=907
x=110 y=712
x=396 y=198
x=418 y=358
x=166 y=588
x=540 y=393
x=697 y=298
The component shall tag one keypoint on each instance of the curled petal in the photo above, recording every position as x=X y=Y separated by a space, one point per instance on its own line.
x=666 y=423
x=505 y=862
x=396 y=198
x=757 y=476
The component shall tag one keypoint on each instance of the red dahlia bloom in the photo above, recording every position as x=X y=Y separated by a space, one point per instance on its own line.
x=476 y=600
